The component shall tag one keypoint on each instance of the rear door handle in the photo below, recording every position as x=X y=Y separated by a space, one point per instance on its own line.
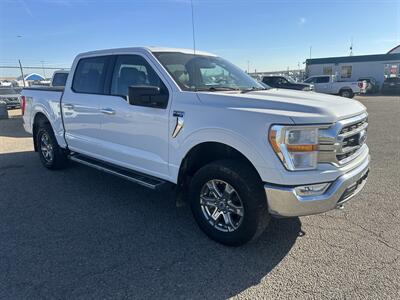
x=108 y=111
x=68 y=106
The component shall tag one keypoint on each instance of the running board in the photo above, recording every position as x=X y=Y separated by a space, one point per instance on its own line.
x=139 y=178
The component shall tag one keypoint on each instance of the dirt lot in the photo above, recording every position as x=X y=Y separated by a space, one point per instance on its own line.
x=82 y=234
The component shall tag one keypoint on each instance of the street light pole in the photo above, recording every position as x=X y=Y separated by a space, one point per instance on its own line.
x=22 y=72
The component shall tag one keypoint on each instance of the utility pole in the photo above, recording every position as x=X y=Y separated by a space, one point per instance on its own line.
x=248 y=67
x=44 y=73
x=22 y=72
x=310 y=51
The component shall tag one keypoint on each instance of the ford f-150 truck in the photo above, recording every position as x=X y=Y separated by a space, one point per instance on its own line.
x=329 y=85
x=238 y=152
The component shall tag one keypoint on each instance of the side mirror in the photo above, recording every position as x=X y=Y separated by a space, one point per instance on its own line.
x=149 y=96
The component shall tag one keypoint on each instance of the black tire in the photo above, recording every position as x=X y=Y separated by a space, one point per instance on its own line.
x=249 y=188
x=59 y=157
x=347 y=93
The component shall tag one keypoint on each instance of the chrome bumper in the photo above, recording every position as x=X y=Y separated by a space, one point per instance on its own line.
x=283 y=201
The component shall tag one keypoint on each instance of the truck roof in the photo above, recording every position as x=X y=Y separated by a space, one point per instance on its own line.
x=144 y=49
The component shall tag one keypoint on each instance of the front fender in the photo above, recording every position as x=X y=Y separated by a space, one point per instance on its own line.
x=180 y=148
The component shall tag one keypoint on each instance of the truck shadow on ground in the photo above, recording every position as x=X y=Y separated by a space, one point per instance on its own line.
x=80 y=233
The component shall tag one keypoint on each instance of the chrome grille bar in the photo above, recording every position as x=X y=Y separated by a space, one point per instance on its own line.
x=340 y=143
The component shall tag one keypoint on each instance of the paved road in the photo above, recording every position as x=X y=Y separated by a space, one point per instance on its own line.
x=82 y=234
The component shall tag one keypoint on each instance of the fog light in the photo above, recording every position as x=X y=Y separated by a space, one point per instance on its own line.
x=312 y=189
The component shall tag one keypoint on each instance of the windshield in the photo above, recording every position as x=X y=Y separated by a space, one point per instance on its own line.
x=290 y=79
x=200 y=72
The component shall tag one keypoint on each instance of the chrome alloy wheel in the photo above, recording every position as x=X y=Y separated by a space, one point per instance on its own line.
x=46 y=148
x=221 y=205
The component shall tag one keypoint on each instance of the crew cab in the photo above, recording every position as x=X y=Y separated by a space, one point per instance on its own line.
x=329 y=85
x=237 y=152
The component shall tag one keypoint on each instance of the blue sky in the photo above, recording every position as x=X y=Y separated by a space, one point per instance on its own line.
x=271 y=35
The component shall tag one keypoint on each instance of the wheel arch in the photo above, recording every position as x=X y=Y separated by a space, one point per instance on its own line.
x=207 y=152
x=346 y=88
x=39 y=118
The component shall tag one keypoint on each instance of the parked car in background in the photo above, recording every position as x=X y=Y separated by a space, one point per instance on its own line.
x=59 y=78
x=329 y=85
x=371 y=85
x=239 y=153
x=5 y=83
x=284 y=82
x=391 y=86
x=10 y=95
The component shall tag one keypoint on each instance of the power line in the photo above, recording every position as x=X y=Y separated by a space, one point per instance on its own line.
x=33 y=67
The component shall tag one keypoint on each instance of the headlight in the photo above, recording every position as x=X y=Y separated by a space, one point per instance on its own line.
x=296 y=146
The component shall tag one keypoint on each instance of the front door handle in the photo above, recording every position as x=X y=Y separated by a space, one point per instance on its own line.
x=108 y=111
x=68 y=106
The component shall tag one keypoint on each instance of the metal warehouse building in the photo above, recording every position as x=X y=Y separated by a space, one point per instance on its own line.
x=351 y=68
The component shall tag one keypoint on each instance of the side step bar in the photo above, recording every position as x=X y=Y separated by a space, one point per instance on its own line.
x=139 y=178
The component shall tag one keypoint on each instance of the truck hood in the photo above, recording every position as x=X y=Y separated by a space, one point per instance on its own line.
x=301 y=107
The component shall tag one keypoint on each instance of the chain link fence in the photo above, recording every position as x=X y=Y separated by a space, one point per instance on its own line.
x=15 y=73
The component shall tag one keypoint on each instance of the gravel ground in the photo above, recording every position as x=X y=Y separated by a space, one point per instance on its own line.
x=83 y=234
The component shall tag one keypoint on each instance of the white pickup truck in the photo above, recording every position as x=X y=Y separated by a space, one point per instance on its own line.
x=237 y=152
x=329 y=85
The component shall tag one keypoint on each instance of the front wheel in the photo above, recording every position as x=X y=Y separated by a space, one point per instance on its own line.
x=228 y=202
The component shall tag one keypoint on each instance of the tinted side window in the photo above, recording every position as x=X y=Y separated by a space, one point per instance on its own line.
x=90 y=75
x=281 y=81
x=59 y=79
x=322 y=79
x=267 y=80
x=131 y=70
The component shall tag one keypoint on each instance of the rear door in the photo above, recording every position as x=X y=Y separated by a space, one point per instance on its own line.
x=80 y=104
x=135 y=136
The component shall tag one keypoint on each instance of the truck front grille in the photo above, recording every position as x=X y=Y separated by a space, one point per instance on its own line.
x=350 y=139
x=342 y=142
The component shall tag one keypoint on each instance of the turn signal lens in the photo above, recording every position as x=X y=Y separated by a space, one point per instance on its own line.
x=302 y=148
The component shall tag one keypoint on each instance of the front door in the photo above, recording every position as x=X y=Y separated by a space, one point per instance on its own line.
x=322 y=84
x=135 y=136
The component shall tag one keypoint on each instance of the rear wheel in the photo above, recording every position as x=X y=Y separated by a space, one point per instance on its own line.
x=51 y=154
x=228 y=202
x=346 y=93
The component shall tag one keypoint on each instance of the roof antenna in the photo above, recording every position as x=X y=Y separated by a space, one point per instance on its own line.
x=193 y=35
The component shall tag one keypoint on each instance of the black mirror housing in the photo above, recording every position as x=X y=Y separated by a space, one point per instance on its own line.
x=149 y=96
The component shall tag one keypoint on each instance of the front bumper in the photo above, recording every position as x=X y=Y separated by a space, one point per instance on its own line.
x=283 y=200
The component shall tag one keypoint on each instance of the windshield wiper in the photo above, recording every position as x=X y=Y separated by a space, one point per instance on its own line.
x=254 y=88
x=217 y=89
